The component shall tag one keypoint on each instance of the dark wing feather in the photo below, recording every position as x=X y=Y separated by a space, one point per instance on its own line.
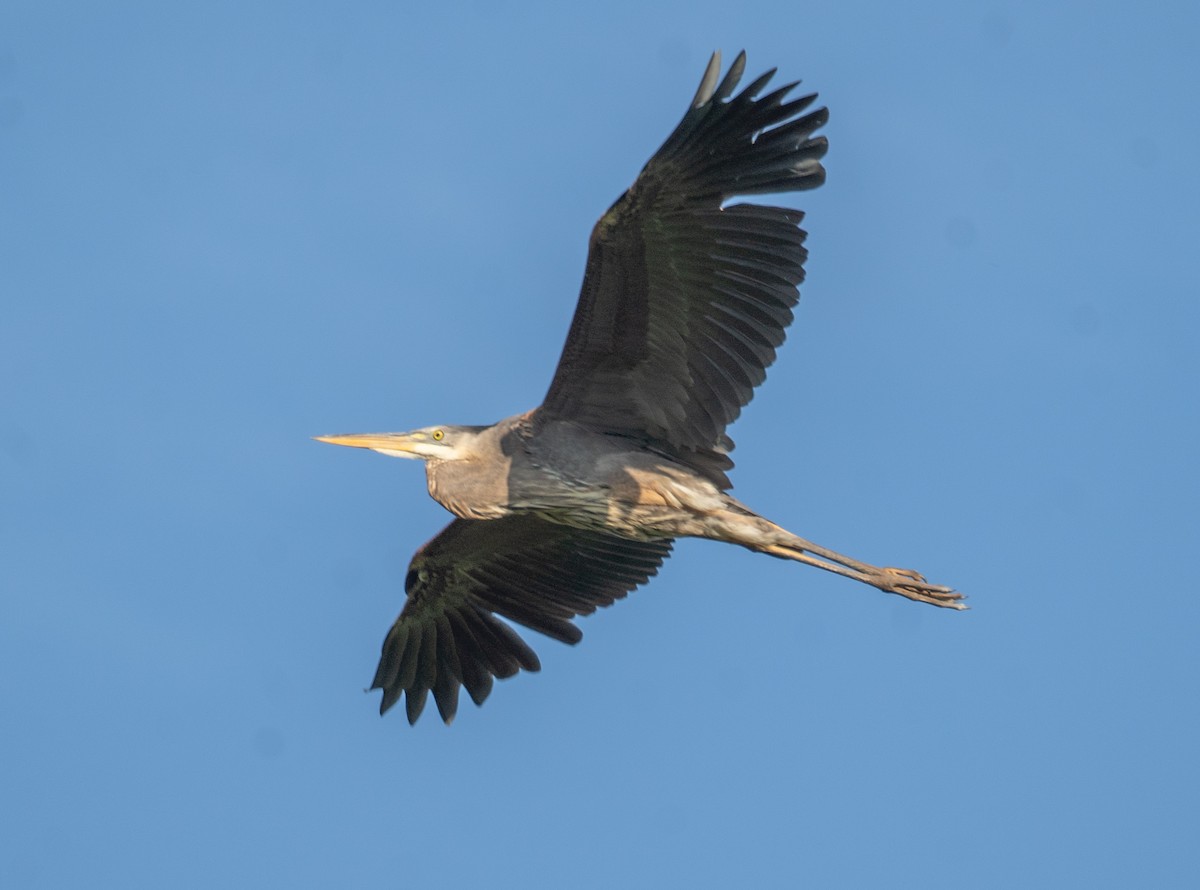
x=536 y=573
x=684 y=300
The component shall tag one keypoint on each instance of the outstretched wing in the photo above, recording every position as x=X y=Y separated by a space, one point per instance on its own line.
x=684 y=300
x=536 y=573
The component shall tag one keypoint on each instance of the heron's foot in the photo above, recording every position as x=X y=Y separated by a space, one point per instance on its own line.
x=913 y=585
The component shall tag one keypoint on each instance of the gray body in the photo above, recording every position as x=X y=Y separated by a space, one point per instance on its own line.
x=571 y=475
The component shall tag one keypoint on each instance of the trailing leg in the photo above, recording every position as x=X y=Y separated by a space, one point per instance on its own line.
x=752 y=531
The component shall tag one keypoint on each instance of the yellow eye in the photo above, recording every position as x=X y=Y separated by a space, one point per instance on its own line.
x=438 y=435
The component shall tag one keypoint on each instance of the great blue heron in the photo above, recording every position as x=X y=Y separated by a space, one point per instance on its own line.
x=572 y=505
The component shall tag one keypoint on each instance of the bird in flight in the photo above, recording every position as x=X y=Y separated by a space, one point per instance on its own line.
x=570 y=506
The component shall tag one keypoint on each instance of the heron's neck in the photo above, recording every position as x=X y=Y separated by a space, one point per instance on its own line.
x=470 y=489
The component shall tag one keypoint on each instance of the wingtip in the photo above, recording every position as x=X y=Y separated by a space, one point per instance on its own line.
x=413 y=706
x=708 y=83
x=732 y=77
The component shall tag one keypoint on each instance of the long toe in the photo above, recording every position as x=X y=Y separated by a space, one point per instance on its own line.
x=911 y=584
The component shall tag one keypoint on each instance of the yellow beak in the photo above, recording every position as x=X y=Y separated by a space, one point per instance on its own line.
x=386 y=442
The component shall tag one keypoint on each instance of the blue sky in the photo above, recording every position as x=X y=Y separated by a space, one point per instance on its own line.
x=225 y=228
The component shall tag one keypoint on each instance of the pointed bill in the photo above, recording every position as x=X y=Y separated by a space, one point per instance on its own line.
x=399 y=444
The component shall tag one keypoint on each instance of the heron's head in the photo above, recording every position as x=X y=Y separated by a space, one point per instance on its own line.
x=429 y=443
